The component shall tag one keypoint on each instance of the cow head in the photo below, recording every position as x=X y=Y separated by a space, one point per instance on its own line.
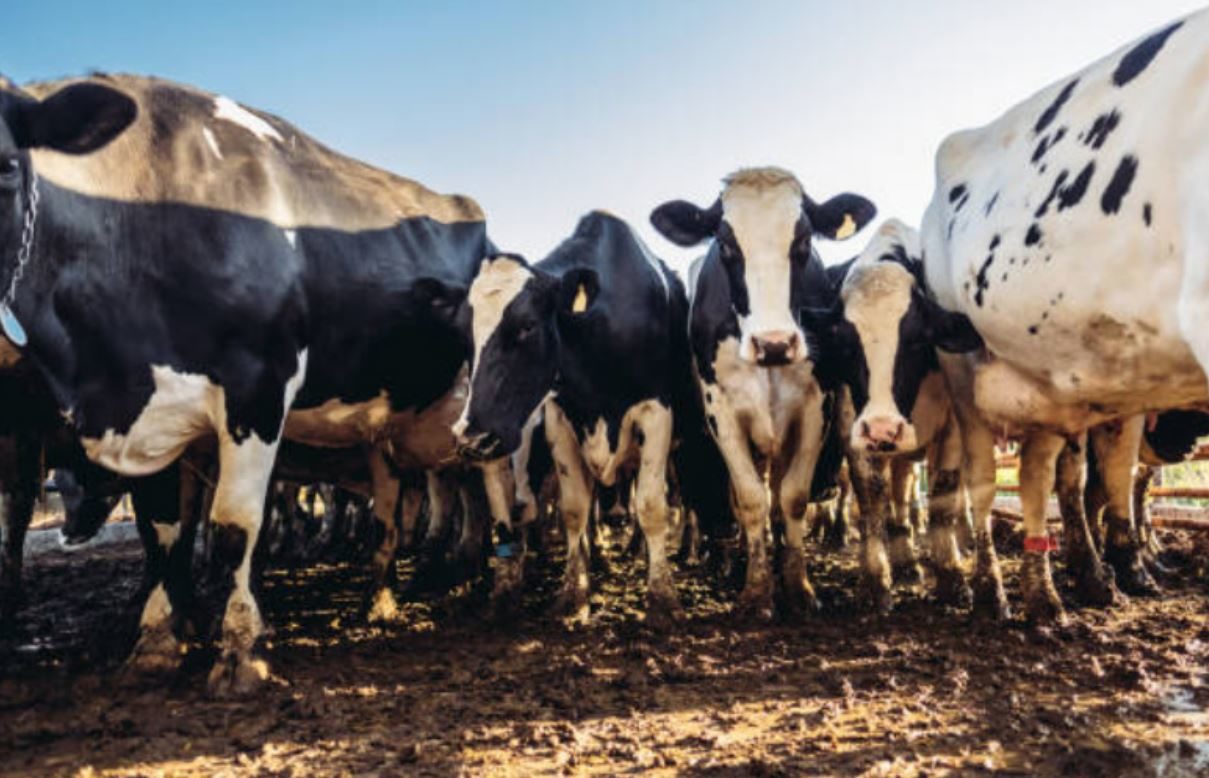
x=513 y=311
x=881 y=337
x=77 y=119
x=762 y=226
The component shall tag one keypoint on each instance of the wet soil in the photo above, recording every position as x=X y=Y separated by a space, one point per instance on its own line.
x=924 y=691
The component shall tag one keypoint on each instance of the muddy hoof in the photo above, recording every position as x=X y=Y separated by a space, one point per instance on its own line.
x=1042 y=606
x=236 y=676
x=1155 y=566
x=571 y=607
x=156 y=655
x=908 y=573
x=663 y=613
x=507 y=587
x=877 y=595
x=1094 y=586
x=990 y=599
x=1132 y=576
x=381 y=607
x=952 y=589
x=755 y=606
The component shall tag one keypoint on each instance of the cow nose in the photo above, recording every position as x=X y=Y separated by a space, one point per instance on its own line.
x=882 y=433
x=775 y=348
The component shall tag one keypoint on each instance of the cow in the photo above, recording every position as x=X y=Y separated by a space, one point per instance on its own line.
x=751 y=358
x=597 y=331
x=180 y=267
x=1068 y=232
x=880 y=339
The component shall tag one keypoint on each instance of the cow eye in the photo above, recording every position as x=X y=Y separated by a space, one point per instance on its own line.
x=524 y=331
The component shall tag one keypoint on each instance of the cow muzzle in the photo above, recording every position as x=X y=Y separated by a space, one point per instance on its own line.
x=883 y=434
x=778 y=347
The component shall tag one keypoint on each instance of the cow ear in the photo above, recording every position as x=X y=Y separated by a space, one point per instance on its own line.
x=947 y=330
x=77 y=119
x=578 y=290
x=685 y=224
x=841 y=217
x=443 y=300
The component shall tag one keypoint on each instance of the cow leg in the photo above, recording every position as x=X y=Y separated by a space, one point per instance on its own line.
x=17 y=513
x=978 y=477
x=508 y=560
x=1151 y=546
x=943 y=505
x=1038 y=458
x=244 y=470
x=431 y=571
x=655 y=433
x=470 y=552
x=380 y=604
x=574 y=502
x=836 y=537
x=168 y=589
x=1116 y=445
x=794 y=497
x=409 y=514
x=1093 y=583
x=903 y=560
x=869 y=485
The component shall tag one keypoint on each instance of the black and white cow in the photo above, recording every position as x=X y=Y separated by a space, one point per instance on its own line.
x=1069 y=232
x=751 y=357
x=600 y=327
x=190 y=268
x=881 y=338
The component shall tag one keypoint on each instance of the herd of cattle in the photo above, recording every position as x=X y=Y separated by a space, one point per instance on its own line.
x=200 y=299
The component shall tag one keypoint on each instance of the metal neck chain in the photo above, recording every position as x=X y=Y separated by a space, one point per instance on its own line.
x=27 y=241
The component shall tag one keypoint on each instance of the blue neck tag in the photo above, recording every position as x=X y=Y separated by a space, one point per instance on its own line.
x=12 y=327
x=505 y=550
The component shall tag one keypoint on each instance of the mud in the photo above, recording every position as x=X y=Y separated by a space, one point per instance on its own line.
x=923 y=691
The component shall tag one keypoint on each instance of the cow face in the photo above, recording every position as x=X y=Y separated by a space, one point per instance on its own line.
x=515 y=311
x=77 y=119
x=881 y=339
x=762 y=226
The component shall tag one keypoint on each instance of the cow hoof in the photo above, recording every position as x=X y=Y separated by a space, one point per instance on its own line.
x=382 y=607
x=908 y=573
x=755 y=606
x=1132 y=576
x=1094 y=585
x=952 y=588
x=236 y=676
x=990 y=599
x=571 y=607
x=876 y=593
x=156 y=654
x=663 y=614
x=1042 y=606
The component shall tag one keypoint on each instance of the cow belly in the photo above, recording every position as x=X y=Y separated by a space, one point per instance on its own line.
x=183 y=407
x=417 y=438
x=337 y=424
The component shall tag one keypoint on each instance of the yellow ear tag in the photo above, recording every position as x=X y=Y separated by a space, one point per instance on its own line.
x=847 y=229
x=581 y=300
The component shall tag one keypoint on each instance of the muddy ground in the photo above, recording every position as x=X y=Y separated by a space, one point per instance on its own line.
x=925 y=691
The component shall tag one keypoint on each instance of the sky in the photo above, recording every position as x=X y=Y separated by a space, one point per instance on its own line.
x=545 y=109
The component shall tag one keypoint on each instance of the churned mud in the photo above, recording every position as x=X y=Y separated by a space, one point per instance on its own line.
x=925 y=691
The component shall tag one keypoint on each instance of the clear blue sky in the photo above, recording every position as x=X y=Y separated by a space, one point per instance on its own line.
x=542 y=110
